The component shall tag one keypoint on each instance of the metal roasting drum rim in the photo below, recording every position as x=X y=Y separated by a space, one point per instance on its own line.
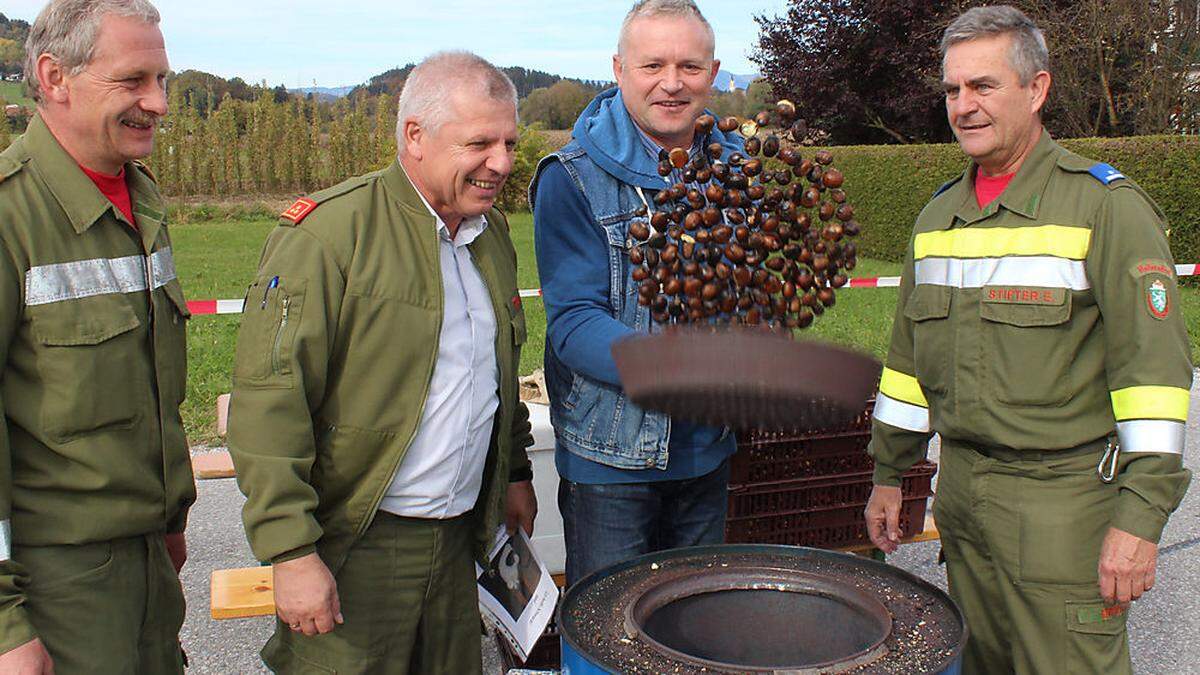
x=693 y=582
x=745 y=378
x=600 y=616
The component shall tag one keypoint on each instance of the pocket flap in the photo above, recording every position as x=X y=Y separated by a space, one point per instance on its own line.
x=928 y=302
x=1051 y=308
x=88 y=321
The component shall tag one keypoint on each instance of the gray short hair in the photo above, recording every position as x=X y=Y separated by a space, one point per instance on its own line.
x=1028 y=55
x=428 y=88
x=68 y=29
x=650 y=8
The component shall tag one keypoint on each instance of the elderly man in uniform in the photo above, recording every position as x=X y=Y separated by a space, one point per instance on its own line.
x=633 y=481
x=375 y=423
x=95 y=481
x=1038 y=315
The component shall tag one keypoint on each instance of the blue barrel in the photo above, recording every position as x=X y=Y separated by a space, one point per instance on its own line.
x=757 y=608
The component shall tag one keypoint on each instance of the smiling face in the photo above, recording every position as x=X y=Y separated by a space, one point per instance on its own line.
x=106 y=114
x=460 y=167
x=995 y=119
x=666 y=71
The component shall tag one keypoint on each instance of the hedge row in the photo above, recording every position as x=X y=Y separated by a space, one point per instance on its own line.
x=890 y=184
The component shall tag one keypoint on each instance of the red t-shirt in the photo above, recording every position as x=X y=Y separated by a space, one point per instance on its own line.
x=987 y=188
x=115 y=188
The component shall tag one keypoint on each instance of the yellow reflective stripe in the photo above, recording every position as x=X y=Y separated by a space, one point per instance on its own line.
x=1059 y=241
x=1150 y=402
x=902 y=387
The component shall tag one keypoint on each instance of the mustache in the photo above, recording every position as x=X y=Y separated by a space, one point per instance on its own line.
x=140 y=117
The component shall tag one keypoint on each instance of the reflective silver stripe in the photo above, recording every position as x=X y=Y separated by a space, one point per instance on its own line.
x=5 y=540
x=1043 y=271
x=163 y=264
x=1160 y=436
x=900 y=414
x=45 y=284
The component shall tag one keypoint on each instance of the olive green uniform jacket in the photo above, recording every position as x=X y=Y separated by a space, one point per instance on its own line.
x=93 y=346
x=334 y=362
x=1046 y=320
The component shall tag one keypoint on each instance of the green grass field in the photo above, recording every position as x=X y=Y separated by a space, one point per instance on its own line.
x=217 y=260
x=14 y=92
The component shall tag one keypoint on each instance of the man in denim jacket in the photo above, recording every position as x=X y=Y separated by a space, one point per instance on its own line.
x=633 y=481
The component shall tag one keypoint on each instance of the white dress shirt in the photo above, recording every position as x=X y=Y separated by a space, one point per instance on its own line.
x=442 y=472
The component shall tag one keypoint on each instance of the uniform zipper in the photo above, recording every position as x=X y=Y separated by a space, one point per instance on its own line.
x=276 y=361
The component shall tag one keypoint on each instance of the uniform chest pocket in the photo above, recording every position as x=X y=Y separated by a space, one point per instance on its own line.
x=1026 y=354
x=270 y=320
x=928 y=307
x=89 y=366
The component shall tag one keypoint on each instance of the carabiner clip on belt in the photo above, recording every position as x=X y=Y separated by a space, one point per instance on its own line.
x=1107 y=468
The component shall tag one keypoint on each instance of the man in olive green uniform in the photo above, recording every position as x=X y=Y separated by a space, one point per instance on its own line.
x=375 y=422
x=1038 y=315
x=95 y=480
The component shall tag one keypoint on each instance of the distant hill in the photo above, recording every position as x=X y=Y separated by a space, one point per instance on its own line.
x=727 y=81
x=12 y=45
x=323 y=92
x=392 y=81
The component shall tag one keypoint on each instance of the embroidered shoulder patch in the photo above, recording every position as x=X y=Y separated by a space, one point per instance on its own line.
x=1158 y=302
x=1105 y=173
x=299 y=210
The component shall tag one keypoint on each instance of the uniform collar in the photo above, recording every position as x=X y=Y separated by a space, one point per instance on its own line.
x=78 y=196
x=1023 y=195
x=468 y=229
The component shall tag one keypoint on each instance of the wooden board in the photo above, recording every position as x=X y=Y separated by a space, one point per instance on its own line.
x=223 y=414
x=216 y=464
x=242 y=592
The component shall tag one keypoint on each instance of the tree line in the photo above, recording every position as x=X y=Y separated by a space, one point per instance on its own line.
x=297 y=145
x=869 y=71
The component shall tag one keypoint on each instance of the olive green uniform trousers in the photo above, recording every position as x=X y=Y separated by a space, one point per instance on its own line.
x=107 y=607
x=408 y=597
x=1021 y=533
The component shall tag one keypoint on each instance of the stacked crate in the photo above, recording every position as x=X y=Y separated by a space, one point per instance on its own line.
x=810 y=488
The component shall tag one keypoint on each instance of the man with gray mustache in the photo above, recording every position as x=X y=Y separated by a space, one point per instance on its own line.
x=95 y=478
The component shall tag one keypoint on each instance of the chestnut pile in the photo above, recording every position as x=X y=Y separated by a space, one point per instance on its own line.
x=763 y=241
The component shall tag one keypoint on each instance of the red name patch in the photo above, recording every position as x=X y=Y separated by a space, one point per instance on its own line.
x=1147 y=268
x=297 y=211
x=1023 y=296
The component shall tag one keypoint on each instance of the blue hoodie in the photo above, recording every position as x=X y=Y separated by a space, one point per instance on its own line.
x=572 y=253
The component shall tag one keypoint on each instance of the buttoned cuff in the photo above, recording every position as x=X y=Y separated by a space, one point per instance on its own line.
x=522 y=473
x=886 y=475
x=294 y=554
x=1138 y=517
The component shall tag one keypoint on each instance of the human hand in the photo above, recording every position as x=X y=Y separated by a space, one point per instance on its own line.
x=176 y=549
x=30 y=658
x=1127 y=566
x=306 y=597
x=883 y=517
x=520 y=507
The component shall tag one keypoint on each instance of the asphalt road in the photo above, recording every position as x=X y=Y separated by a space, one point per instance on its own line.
x=1164 y=625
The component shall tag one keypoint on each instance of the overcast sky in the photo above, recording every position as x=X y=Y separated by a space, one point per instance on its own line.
x=334 y=43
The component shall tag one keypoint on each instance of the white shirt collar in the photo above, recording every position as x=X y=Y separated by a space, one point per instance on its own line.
x=468 y=230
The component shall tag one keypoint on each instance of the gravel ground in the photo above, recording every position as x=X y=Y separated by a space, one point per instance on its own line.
x=1164 y=626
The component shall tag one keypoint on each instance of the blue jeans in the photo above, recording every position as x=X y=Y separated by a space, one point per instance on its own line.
x=607 y=524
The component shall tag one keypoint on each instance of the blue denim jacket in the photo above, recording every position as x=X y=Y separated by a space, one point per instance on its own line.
x=591 y=415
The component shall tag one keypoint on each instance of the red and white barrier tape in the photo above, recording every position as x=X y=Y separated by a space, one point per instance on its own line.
x=235 y=306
